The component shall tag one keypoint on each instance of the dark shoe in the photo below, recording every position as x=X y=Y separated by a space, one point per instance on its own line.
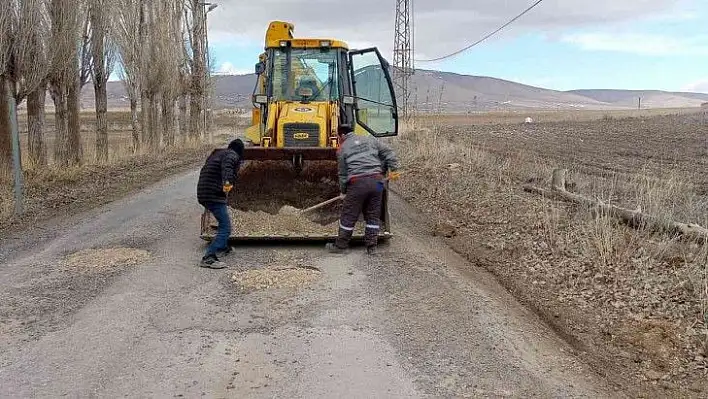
x=212 y=262
x=224 y=252
x=371 y=250
x=333 y=249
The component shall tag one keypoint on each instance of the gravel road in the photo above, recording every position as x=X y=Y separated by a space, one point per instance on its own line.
x=414 y=321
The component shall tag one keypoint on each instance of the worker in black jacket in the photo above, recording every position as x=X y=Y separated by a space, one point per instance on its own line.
x=216 y=180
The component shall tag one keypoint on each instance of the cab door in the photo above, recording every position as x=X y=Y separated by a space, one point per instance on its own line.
x=373 y=96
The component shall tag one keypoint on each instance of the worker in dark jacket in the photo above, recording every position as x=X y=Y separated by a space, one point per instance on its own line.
x=363 y=164
x=216 y=180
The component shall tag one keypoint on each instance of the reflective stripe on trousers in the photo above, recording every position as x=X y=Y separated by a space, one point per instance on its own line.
x=364 y=195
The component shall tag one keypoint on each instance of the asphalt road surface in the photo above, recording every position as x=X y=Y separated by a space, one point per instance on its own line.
x=414 y=321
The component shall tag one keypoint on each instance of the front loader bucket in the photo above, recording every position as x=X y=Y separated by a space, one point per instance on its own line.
x=263 y=188
x=287 y=154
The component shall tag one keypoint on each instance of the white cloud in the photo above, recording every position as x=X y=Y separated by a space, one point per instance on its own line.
x=643 y=44
x=228 y=68
x=700 y=86
x=441 y=26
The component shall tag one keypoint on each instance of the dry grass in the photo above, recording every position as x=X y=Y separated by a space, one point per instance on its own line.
x=51 y=190
x=590 y=275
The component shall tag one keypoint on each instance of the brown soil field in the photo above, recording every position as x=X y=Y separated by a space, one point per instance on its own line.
x=542 y=115
x=634 y=303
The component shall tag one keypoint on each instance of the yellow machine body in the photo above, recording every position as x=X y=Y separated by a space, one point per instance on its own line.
x=305 y=89
x=321 y=117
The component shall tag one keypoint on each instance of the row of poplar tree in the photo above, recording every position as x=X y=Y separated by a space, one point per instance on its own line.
x=56 y=47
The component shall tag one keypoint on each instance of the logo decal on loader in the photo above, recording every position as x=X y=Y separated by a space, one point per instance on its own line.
x=302 y=109
x=301 y=136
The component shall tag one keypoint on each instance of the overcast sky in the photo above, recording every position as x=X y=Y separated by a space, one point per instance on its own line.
x=561 y=44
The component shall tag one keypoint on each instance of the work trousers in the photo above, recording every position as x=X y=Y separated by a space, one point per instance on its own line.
x=221 y=241
x=363 y=195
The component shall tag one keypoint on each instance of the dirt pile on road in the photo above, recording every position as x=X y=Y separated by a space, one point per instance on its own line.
x=269 y=194
x=105 y=258
x=262 y=223
x=287 y=277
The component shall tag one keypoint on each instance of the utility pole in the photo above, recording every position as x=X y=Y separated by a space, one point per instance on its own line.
x=16 y=159
x=403 y=51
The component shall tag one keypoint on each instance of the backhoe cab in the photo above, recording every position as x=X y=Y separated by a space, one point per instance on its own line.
x=306 y=88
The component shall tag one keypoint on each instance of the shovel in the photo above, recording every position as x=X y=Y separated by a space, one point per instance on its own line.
x=287 y=209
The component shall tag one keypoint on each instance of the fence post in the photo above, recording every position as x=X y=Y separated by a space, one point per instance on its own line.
x=16 y=159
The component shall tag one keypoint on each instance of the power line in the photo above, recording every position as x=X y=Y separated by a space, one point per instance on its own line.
x=485 y=37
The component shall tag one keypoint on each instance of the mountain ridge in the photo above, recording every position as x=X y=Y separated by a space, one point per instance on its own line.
x=454 y=92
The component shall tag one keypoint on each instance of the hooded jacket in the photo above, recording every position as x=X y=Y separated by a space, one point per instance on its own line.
x=221 y=166
x=363 y=155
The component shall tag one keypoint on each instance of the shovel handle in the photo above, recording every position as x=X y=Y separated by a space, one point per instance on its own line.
x=321 y=204
x=329 y=201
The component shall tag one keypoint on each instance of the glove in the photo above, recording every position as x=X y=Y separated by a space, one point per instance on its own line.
x=394 y=175
x=227 y=187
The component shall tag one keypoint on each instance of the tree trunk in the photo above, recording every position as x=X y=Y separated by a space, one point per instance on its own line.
x=5 y=131
x=98 y=54
x=635 y=219
x=168 y=119
x=74 y=150
x=60 y=126
x=153 y=112
x=144 y=117
x=101 y=122
x=183 y=117
x=197 y=91
x=195 y=111
x=135 y=124
x=35 y=126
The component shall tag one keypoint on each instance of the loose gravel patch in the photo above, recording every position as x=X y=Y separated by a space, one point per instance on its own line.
x=263 y=223
x=105 y=258
x=261 y=279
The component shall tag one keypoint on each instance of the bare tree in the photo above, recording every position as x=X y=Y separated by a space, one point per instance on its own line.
x=23 y=68
x=198 y=90
x=151 y=84
x=35 y=71
x=127 y=34
x=80 y=76
x=64 y=15
x=143 y=63
x=185 y=74
x=171 y=63
x=161 y=59
x=7 y=14
x=102 y=54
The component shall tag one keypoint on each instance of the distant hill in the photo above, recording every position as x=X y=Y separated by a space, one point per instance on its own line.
x=650 y=98
x=452 y=92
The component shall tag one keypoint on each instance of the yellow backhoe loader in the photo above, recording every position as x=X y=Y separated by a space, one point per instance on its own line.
x=306 y=88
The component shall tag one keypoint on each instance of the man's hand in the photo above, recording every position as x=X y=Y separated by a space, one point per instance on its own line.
x=227 y=187
x=394 y=175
